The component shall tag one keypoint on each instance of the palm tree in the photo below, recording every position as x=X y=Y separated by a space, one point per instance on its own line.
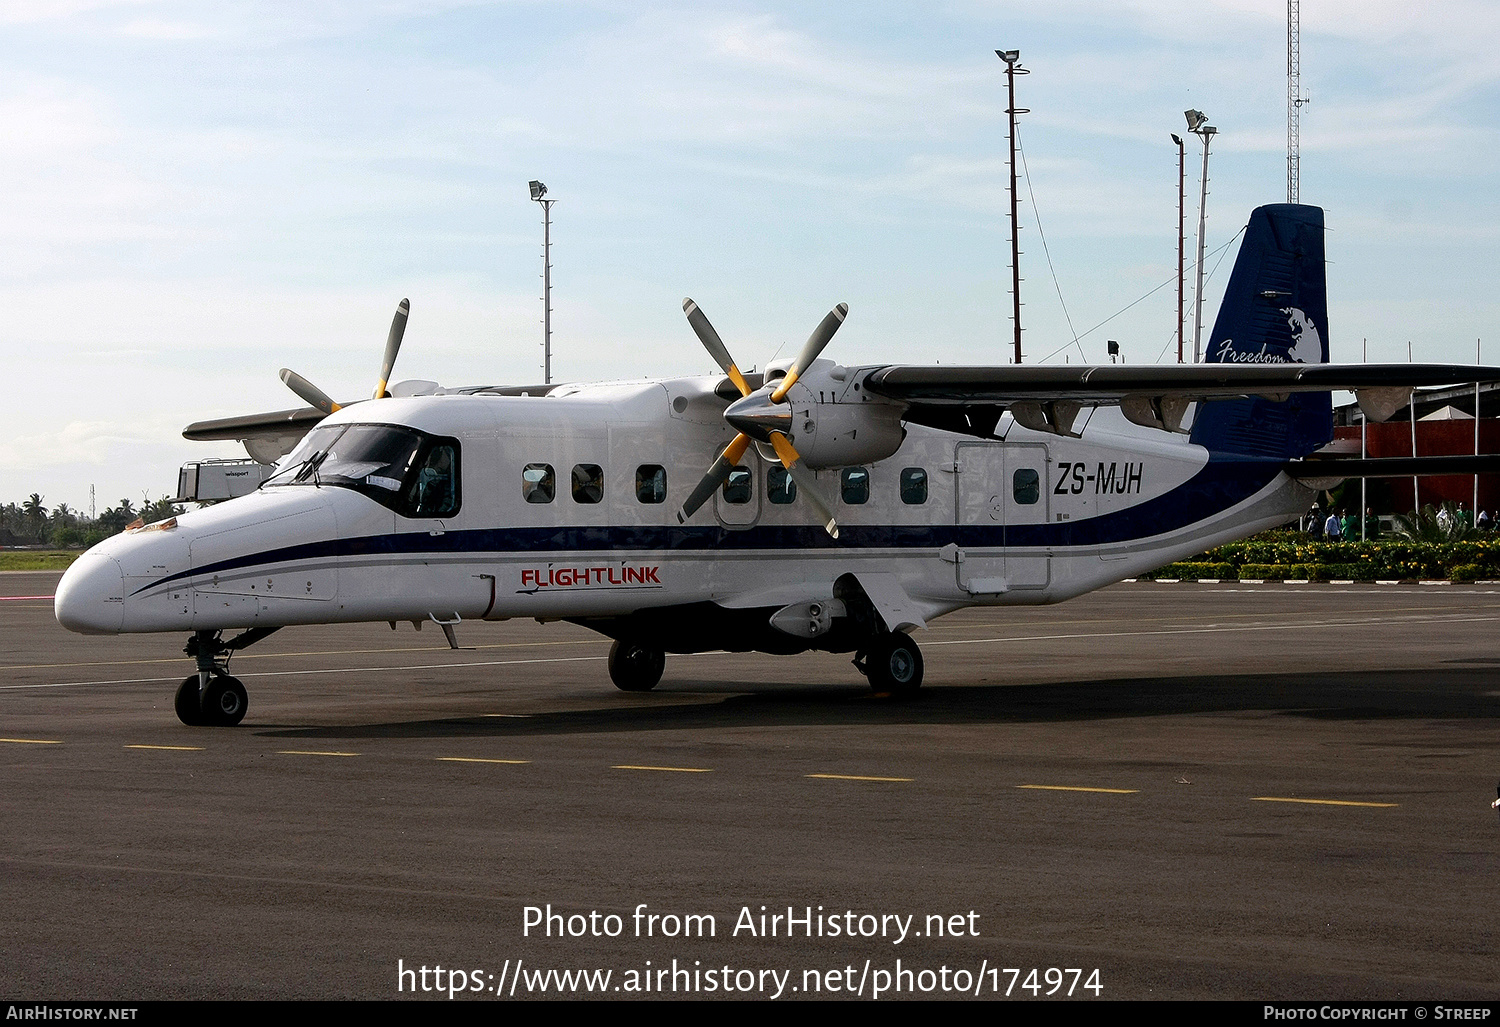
x=1445 y=524
x=34 y=512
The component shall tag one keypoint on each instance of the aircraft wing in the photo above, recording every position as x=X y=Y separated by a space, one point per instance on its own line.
x=1111 y=383
x=267 y=437
x=1047 y=397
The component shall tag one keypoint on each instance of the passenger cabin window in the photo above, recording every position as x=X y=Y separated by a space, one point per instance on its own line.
x=913 y=486
x=538 y=484
x=403 y=469
x=737 y=486
x=588 y=483
x=856 y=485
x=1027 y=486
x=651 y=483
x=780 y=488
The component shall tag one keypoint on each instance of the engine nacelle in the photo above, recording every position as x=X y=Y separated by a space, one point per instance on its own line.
x=839 y=434
x=827 y=417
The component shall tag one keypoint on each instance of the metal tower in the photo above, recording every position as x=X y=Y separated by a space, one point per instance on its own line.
x=1294 y=99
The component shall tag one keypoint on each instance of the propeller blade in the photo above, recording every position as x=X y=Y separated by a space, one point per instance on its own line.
x=716 y=476
x=307 y=391
x=815 y=343
x=806 y=483
x=714 y=345
x=392 y=347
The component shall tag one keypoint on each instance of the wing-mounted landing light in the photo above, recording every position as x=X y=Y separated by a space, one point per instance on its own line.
x=763 y=415
x=316 y=397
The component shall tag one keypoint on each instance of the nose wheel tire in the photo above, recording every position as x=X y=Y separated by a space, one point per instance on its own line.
x=634 y=667
x=223 y=702
x=894 y=664
x=188 y=709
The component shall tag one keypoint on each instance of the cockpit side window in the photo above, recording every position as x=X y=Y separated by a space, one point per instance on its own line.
x=410 y=472
x=433 y=490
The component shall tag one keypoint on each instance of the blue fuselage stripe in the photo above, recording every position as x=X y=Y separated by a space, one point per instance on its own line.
x=1219 y=485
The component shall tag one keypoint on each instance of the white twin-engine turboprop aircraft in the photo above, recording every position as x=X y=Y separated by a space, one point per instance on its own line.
x=819 y=506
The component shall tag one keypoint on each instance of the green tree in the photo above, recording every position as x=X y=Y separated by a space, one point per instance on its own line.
x=35 y=513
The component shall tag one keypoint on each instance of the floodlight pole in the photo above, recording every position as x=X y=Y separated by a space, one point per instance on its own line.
x=1181 y=218
x=1012 y=69
x=539 y=194
x=1197 y=125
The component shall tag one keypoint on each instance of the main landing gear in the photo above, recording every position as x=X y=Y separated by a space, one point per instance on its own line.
x=634 y=667
x=892 y=663
x=211 y=697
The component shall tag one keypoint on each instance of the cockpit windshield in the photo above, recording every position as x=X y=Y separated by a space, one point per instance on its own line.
x=411 y=472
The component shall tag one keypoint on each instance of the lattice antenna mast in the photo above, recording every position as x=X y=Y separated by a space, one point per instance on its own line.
x=1012 y=69
x=1294 y=100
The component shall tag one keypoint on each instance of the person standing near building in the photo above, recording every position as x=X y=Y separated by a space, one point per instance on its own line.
x=1333 y=528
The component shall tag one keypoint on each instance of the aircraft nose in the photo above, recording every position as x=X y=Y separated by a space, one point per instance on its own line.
x=91 y=596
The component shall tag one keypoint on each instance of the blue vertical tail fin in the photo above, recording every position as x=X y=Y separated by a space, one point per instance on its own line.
x=1275 y=311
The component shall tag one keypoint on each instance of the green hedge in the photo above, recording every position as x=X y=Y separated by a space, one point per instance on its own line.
x=1280 y=558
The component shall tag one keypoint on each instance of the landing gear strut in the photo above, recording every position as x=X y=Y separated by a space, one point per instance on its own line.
x=211 y=697
x=893 y=664
x=634 y=667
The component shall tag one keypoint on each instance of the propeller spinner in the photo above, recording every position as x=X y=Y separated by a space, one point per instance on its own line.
x=316 y=397
x=763 y=415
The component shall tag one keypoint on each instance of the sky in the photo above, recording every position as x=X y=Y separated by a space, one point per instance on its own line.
x=198 y=195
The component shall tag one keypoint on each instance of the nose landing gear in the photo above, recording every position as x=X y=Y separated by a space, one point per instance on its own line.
x=211 y=697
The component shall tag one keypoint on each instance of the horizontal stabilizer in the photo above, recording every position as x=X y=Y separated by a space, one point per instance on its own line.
x=1394 y=466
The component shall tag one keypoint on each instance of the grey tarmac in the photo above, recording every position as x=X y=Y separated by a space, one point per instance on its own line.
x=1259 y=792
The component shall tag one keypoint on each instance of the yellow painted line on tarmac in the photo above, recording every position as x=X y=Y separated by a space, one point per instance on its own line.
x=1323 y=802
x=1076 y=788
x=32 y=741
x=855 y=777
x=169 y=748
x=312 y=752
x=679 y=770
x=474 y=759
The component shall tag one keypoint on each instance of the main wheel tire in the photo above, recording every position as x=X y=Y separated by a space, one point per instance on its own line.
x=894 y=664
x=224 y=701
x=189 y=711
x=634 y=667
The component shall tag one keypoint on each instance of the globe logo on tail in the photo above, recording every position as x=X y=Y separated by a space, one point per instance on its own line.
x=1307 y=344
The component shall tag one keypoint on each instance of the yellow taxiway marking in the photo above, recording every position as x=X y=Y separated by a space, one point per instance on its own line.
x=169 y=748
x=855 y=777
x=312 y=752
x=1076 y=788
x=474 y=759
x=1323 y=802
x=679 y=770
x=32 y=741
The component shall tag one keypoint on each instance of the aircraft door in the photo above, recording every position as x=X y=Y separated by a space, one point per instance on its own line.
x=1028 y=560
x=1001 y=502
x=737 y=501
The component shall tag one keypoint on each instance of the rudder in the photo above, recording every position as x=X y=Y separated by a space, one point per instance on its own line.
x=1275 y=311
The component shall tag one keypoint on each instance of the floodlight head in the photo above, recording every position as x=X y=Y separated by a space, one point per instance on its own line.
x=538 y=190
x=1195 y=119
x=1176 y=138
x=1008 y=56
x=1113 y=348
